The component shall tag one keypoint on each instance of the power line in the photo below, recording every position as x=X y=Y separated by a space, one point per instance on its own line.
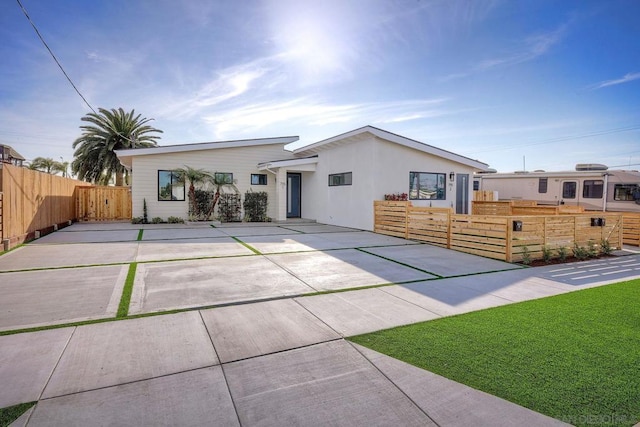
x=54 y=57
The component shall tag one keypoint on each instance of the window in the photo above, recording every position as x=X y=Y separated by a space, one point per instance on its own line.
x=340 y=179
x=224 y=177
x=258 y=179
x=169 y=186
x=624 y=192
x=593 y=189
x=476 y=185
x=426 y=186
x=569 y=189
x=542 y=185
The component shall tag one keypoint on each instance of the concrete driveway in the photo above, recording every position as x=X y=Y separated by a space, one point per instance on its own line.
x=260 y=341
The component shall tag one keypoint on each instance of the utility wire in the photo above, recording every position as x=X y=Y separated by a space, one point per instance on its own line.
x=64 y=72
x=54 y=57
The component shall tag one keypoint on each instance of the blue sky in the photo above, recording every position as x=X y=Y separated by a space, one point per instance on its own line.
x=552 y=82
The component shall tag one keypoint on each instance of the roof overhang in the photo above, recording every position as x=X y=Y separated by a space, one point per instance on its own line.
x=392 y=137
x=291 y=164
x=126 y=156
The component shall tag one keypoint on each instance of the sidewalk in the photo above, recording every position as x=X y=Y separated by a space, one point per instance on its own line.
x=281 y=361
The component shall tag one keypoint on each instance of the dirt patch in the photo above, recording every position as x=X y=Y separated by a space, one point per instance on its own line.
x=567 y=260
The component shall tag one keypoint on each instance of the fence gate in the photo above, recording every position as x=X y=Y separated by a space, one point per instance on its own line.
x=103 y=203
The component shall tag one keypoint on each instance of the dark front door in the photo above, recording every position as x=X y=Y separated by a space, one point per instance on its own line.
x=462 y=194
x=294 y=191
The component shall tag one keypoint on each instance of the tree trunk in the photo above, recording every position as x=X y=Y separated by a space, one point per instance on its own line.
x=119 y=179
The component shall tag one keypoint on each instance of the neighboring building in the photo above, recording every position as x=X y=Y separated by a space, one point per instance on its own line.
x=334 y=181
x=11 y=156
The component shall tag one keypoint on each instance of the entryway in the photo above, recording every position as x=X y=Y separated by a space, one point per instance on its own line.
x=294 y=195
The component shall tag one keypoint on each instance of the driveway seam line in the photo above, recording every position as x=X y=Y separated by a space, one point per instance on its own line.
x=75 y=328
x=392 y=382
x=398 y=262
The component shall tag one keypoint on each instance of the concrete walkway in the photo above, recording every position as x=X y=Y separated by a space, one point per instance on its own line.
x=259 y=345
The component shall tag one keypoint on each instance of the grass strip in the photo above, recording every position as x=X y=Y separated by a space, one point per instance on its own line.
x=123 y=308
x=573 y=357
x=140 y=233
x=12 y=413
x=248 y=246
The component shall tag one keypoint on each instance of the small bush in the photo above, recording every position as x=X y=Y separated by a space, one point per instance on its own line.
x=580 y=252
x=605 y=247
x=175 y=220
x=229 y=207
x=547 y=254
x=401 y=197
x=526 y=256
x=255 y=206
x=157 y=220
x=563 y=253
x=137 y=220
x=592 y=250
x=145 y=216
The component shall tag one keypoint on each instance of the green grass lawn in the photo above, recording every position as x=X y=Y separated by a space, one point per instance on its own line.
x=574 y=357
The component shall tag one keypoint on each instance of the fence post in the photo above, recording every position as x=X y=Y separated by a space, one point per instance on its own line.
x=406 y=219
x=449 y=228
x=509 y=242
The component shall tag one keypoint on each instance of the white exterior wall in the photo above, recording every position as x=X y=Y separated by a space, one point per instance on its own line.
x=379 y=167
x=241 y=161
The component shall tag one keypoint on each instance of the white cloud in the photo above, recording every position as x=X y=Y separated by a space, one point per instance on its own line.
x=629 y=77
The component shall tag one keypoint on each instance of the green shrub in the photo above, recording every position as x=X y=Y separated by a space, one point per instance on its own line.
x=563 y=253
x=200 y=209
x=175 y=220
x=137 y=220
x=592 y=250
x=605 y=247
x=580 y=252
x=145 y=217
x=229 y=207
x=156 y=220
x=526 y=255
x=547 y=254
x=255 y=206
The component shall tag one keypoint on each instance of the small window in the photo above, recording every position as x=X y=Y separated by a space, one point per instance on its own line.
x=624 y=192
x=224 y=177
x=593 y=189
x=169 y=186
x=258 y=179
x=542 y=185
x=569 y=189
x=340 y=179
x=476 y=185
x=427 y=186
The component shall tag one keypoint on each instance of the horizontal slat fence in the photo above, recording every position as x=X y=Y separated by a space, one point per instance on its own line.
x=493 y=236
x=521 y=207
x=34 y=201
x=102 y=203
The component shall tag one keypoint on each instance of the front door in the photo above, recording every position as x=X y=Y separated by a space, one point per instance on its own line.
x=569 y=193
x=294 y=191
x=462 y=194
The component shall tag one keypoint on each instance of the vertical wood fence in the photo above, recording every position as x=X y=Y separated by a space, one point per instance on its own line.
x=101 y=203
x=631 y=232
x=34 y=201
x=493 y=236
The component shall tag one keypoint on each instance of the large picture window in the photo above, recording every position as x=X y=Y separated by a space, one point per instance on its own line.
x=624 y=192
x=427 y=186
x=169 y=187
x=340 y=179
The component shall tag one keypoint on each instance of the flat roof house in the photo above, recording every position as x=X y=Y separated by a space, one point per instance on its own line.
x=333 y=181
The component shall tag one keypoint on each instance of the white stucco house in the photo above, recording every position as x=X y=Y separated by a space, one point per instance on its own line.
x=333 y=181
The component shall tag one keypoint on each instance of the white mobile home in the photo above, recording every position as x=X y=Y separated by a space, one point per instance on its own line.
x=334 y=181
x=598 y=190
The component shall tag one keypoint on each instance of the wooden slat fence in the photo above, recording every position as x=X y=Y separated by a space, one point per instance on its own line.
x=34 y=201
x=493 y=236
x=631 y=232
x=101 y=203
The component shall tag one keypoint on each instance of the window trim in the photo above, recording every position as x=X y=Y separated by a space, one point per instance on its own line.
x=259 y=176
x=173 y=181
x=575 y=189
x=342 y=181
x=441 y=191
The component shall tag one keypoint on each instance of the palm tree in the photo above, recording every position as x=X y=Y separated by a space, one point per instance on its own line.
x=109 y=130
x=43 y=164
x=219 y=181
x=62 y=167
x=194 y=177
